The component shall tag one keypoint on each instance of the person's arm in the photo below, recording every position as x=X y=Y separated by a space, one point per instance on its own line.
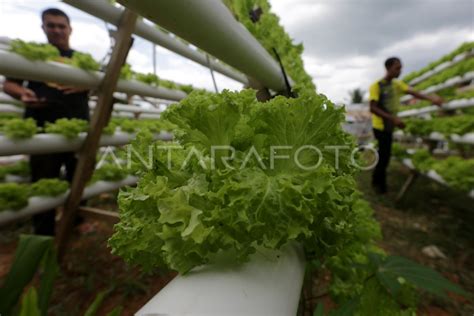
x=25 y=95
x=435 y=99
x=71 y=90
x=375 y=109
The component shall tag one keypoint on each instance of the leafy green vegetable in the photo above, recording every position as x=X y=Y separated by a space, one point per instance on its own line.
x=13 y=196
x=69 y=128
x=110 y=128
x=422 y=160
x=48 y=187
x=272 y=35
x=183 y=217
x=456 y=70
x=20 y=128
x=461 y=124
x=447 y=97
x=399 y=151
x=154 y=80
x=149 y=78
x=34 y=51
x=21 y=169
x=269 y=32
x=461 y=49
x=128 y=126
x=457 y=172
x=109 y=172
x=126 y=72
x=84 y=61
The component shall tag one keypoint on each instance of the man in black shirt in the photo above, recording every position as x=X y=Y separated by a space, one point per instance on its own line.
x=47 y=102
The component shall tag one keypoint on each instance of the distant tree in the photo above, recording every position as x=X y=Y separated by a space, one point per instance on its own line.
x=356 y=95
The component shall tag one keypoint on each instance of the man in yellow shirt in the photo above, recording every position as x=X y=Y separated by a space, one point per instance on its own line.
x=384 y=97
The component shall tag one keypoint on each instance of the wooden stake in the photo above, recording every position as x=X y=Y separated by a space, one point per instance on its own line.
x=100 y=118
x=408 y=183
x=101 y=215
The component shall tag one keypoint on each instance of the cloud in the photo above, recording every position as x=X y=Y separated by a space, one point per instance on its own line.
x=347 y=41
x=90 y=35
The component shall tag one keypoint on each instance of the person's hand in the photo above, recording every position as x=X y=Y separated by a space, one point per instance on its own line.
x=398 y=122
x=437 y=100
x=30 y=98
x=71 y=90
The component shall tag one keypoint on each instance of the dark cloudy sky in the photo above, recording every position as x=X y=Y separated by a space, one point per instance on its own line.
x=346 y=41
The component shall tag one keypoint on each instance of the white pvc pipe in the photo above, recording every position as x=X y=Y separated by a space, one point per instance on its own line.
x=150 y=116
x=8 y=108
x=16 y=66
x=464 y=139
x=12 y=159
x=107 y=12
x=467 y=139
x=457 y=59
x=128 y=108
x=6 y=99
x=269 y=284
x=453 y=105
x=53 y=143
x=210 y=25
x=38 y=205
x=447 y=84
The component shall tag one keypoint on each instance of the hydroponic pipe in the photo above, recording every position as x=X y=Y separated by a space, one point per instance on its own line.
x=129 y=108
x=16 y=66
x=40 y=204
x=53 y=143
x=452 y=105
x=457 y=59
x=467 y=139
x=451 y=82
x=108 y=13
x=6 y=99
x=209 y=25
x=8 y=108
x=269 y=284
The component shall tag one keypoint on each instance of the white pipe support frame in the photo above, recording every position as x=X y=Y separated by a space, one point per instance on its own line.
x=269 y=284
x=38 y=204
x=54 y=143
x=16 y=66
x=210 y=25
x=110 y=14
x=431 y=174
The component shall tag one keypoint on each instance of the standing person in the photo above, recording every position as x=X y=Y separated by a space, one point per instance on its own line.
x=46 y=102
x=384 y=97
